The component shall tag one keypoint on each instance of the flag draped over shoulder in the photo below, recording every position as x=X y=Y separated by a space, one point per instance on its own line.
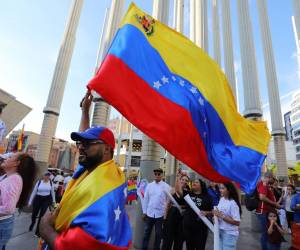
x=92 y=213
x=176 y=94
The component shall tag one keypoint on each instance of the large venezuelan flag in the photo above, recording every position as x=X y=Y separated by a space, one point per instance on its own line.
x=92 y=213
x=177 y=95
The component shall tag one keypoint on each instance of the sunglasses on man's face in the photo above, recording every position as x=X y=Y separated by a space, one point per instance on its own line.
x=87 y=144
x=157 y=174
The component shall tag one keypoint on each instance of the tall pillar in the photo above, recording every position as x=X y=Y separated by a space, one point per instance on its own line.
x=178 y=15
x=273 y=92
x=252 y=101
x=296 y=28
x=296 y=5
x=102 y=108
x=193 y=20
x=52 y=109
x=297 y=44
x=151 y=151
x=216 y=31
x=201 y=33
x=161 y=10
x=228 y=47
x=102 y=45
x=171 y=162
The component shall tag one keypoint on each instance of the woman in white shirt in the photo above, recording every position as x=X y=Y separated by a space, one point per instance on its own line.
x=229 y=213
x=41 y=198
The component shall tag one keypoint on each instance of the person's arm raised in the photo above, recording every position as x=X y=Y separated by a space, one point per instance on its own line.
x=85 y=105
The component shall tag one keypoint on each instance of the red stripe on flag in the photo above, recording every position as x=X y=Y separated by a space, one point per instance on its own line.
x=77 y=239
x=154 y=114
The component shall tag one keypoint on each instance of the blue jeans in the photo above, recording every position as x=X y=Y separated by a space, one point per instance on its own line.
x=273 y=247
x=264 y=236
x=149 y=223
x=227 y=241
x=6 y=229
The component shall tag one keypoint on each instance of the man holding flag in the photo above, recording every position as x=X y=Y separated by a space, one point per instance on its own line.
x=92 y=213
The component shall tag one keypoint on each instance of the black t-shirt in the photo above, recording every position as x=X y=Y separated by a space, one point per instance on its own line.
x=173 y=211
x=180 y=200
x=277 y=192
x=203 y=202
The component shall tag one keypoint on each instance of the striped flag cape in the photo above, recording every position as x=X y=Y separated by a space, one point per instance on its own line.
x=92 y=211
x=176 y=94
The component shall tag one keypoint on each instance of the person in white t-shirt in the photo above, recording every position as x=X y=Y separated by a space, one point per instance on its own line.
x=67 y=179
x=154 y=207
x=41 y=198
x=229 y=213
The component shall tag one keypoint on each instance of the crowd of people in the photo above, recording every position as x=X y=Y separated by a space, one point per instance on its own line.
x=277 y=210
x=176 y=223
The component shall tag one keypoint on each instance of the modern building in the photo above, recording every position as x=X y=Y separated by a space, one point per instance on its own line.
x=63 y=155
x=13 y=112
x=295 y=122
x=114 y=125
x=288 y=126
x=30 y=138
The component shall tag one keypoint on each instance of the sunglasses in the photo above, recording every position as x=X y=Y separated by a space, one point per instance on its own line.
x=87 y=144
x=157 y=174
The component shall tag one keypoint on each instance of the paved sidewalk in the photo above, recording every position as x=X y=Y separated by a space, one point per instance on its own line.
x=24 y=240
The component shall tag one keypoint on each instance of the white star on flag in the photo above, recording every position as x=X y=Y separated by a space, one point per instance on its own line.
x=204 y=134
x=201 y=101
x=125 y=192
x=174 y=78
x=109 y=240
x=193 y=90
x=117 y=213
x=205 y=120
x=164 y=80
x=181 y=82
x=157 y=84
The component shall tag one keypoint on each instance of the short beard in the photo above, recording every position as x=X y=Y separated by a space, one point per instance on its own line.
x=90 y=162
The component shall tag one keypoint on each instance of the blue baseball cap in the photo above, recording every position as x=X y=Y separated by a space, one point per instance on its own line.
x=95 y=133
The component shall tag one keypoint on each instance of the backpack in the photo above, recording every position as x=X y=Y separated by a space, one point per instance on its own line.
x=252 y=200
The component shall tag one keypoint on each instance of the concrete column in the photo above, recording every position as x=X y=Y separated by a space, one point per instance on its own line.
x=151 y=151
x=216 y=32
x=101 y=108
x=228 y=47
x=201 y=33
x=171 y=162
x=119 y=140
x=297 y=43
x=56 y=92
x=178 y=15
x=274 y=99
x=296 y=5
x=192 y=20
x=161 y=10
x=252 y=101
x=102 y=45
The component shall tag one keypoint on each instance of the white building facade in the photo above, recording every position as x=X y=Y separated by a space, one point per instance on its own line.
x=295 y=122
